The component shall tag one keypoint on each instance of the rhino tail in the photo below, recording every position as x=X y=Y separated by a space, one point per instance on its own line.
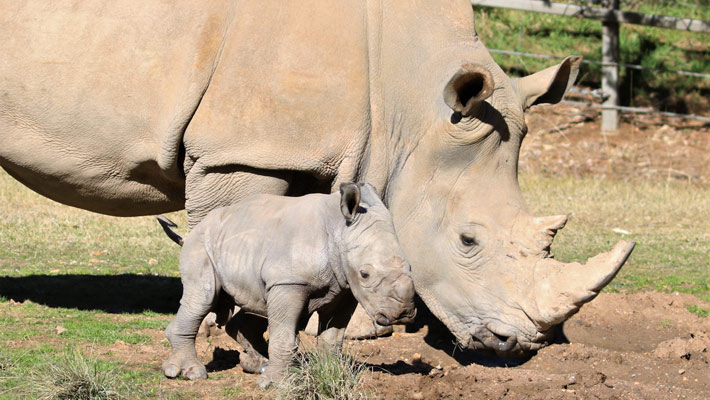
x=167 y=225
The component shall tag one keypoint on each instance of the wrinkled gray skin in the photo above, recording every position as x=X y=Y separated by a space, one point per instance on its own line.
x=134 y=108
x=284 y=258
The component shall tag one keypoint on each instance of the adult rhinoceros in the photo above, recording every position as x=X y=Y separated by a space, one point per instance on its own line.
x=141 y=107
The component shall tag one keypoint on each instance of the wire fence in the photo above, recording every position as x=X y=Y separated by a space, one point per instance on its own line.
x=611 y=16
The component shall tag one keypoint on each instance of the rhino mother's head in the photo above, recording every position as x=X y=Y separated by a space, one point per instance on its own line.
x=480 y=261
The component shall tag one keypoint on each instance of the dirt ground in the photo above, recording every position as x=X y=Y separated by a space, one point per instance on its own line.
x=566 y=140
x=638 y=346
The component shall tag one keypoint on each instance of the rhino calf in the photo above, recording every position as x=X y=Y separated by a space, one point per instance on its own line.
x=284 y=258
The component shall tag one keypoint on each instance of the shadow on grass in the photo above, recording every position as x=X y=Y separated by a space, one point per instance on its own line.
x=116 y=294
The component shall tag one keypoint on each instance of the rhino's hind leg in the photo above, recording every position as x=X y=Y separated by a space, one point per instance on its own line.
x=181 y=334
x=248 y=330
x=198 y=298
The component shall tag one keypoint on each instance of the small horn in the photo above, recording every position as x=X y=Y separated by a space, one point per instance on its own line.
x=551 y=224
x=547 y=228
x=562 y=288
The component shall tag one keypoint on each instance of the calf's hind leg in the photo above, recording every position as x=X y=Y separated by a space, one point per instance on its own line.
x=198 y=297
x=248 y=330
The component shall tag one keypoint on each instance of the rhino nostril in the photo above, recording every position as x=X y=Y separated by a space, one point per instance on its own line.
x=381 y=319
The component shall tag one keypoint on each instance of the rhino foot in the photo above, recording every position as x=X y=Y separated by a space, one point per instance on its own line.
x=264 y=382
x=252 y=362
x=189 y=371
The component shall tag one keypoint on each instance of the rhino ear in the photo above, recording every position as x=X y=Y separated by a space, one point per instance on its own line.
x=467 y=89
x=549 y=85
x=349 y=200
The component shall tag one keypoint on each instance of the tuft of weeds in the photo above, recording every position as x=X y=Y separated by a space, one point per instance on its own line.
x=320 y=375
x=76 y=378
x=699 y=311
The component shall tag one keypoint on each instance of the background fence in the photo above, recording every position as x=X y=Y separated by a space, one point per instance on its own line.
x=611 y=17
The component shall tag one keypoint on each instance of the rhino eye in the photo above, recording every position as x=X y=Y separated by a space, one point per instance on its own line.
x=364 y=274
x=468 y=241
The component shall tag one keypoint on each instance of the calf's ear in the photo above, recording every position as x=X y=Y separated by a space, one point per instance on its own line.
x=349 y=200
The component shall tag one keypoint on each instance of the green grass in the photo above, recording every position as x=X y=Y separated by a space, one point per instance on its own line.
x=647 y=46
x=670 y=222
x=702 y=312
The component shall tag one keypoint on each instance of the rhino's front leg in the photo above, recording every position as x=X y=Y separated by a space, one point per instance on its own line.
x=285 y=304
x=332 y=323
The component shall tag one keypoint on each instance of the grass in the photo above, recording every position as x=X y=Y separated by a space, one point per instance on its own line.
x=76 y=377
x=647 y=46
x=699 y=311
x=321 y=375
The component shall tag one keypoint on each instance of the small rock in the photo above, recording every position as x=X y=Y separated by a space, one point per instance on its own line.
x=681 y=371
x=417 y=396
x=416 y=358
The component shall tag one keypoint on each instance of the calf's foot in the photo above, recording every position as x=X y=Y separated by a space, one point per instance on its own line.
x=187 y=367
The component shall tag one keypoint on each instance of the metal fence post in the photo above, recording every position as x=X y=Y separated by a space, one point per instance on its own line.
x=610 y=70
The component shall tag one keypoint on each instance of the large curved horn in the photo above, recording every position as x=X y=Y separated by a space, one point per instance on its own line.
x=560 y=289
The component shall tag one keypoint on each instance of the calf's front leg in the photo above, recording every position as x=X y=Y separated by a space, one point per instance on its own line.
x=284 y=306
x=332 y=322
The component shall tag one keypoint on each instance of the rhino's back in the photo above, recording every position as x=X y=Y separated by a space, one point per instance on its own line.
x=269 y=240
x=290 y=91
x=94 y=97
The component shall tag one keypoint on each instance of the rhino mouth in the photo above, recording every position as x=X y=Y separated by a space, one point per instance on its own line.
x=500 y=343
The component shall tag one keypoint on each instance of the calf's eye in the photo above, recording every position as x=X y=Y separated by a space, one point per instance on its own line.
x=364 y=274
x=468 y=241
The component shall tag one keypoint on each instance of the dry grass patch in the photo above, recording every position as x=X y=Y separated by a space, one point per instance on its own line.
x=321 y=375
x=76 y=377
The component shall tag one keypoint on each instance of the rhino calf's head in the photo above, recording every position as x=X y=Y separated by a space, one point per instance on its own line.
x=375 y=266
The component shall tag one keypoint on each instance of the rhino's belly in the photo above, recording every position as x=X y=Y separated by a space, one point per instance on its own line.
x=146 y=192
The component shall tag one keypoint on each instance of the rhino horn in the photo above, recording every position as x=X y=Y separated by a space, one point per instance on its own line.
x=562 y=288
x=547 y=228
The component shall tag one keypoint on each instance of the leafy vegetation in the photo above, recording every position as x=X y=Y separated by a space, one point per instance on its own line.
x=650 y=47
